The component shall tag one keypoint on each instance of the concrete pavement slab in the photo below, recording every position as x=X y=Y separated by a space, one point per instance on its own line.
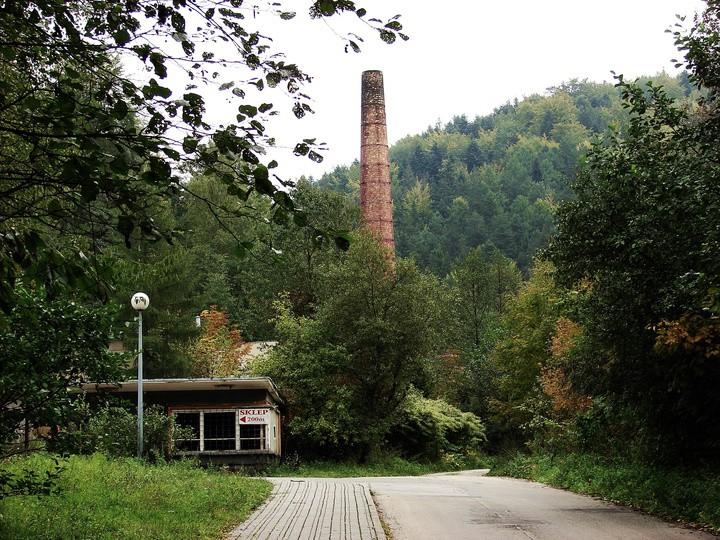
x=309 y=509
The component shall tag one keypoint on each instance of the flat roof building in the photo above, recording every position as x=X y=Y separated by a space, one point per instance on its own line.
x=233 y=420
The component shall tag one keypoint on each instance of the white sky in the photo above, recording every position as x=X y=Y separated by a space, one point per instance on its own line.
x=464 y=57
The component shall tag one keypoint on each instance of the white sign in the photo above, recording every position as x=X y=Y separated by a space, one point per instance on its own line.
x=253 y=416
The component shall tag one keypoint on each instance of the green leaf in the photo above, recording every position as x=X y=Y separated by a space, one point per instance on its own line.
x=325 y=7
x=248 y=110
x=263 y=184
x=120 y=109
x=273 y=79
x=387 y=36
x=121 y=37
x=171 y=153
x=283 y=199
x=189 y=144
x=301 y=149
x=158 y=62
x=280 y=216
x=153 y=89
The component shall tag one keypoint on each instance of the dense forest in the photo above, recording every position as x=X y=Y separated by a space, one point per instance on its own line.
x=496 y=179
x=556 y=291
x=490 y=183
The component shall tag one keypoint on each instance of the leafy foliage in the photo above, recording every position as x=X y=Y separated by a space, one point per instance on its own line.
x=47 y=347
x=87 y=150
x=430 y=428
x=643 y=235
x=348 y=368
x=218 y=351
x=112 y=431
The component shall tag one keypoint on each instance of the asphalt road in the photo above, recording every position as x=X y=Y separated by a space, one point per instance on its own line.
x=473 y=506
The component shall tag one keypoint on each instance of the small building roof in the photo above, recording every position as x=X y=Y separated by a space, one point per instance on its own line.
x=176 y=385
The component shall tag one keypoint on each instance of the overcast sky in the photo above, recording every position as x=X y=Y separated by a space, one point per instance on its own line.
x=464 y=57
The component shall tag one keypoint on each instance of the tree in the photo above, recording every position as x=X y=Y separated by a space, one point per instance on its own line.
x=527 y=326
x=482 y=282
x=85 y=149
x=48 y=347
x=642 y=235
x=348 y=369
x=219 y=350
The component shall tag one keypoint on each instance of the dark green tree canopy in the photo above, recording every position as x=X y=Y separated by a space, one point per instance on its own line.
x=641 y=240
x=88 y=147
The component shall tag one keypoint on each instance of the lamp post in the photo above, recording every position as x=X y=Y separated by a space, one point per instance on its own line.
x=140 y=302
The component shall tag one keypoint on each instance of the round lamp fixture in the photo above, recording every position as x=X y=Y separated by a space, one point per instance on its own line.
x=140 y=301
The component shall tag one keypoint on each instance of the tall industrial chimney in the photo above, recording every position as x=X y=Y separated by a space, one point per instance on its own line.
x=375 y=196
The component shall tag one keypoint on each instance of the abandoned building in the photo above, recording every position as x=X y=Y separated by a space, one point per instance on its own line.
x=233 y=420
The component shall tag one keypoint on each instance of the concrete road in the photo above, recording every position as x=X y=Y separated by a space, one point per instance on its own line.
x=473 y=506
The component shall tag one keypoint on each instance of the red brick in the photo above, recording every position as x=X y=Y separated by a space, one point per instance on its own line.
x=375 y=195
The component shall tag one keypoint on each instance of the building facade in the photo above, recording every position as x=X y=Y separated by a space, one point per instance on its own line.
x=229 y=421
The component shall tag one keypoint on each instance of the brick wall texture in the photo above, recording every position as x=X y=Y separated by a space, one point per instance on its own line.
x=375 y=196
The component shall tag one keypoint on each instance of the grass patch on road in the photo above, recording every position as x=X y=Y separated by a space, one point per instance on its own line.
x=102 y=498
x=688 y=495
x=380 y=466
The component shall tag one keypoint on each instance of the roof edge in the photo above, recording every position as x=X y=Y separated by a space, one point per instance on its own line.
x=179 y=384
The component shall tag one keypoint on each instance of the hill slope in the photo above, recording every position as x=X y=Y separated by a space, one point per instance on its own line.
x=497 y=178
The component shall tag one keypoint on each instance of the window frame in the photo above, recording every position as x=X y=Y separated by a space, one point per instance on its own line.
x=264 y=440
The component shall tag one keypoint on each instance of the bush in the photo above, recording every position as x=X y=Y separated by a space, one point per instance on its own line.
x=112 y=431
x=431 y=428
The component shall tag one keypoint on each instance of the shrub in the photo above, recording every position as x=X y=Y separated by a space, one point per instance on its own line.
x=430 y=428
x=112 y=430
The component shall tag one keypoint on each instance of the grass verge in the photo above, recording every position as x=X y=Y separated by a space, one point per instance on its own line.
x=383 y=466
x=103 y=498
x=688 y=495
x=383 y=522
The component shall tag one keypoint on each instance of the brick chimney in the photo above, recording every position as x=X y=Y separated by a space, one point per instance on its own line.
x=375 y=195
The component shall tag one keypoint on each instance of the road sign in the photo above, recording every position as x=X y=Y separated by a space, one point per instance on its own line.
x=253 y=416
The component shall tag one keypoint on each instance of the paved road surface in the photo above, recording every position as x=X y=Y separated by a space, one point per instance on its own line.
x=474 y=506
x=465 y=506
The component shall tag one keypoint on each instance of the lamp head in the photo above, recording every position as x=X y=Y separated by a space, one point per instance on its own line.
x=140 y=301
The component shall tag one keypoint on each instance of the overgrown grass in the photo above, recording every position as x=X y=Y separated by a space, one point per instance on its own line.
x=689 y=495
x=102 y=498
x=380 y=466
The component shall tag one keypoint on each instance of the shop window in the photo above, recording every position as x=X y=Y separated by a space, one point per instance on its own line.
x=252 y=437
x=219 y=430
x=189 y=420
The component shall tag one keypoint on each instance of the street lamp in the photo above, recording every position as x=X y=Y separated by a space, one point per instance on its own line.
x=140 y=302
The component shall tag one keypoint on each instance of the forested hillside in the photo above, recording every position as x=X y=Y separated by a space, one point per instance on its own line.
x=495 y=179
x=556 y=294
